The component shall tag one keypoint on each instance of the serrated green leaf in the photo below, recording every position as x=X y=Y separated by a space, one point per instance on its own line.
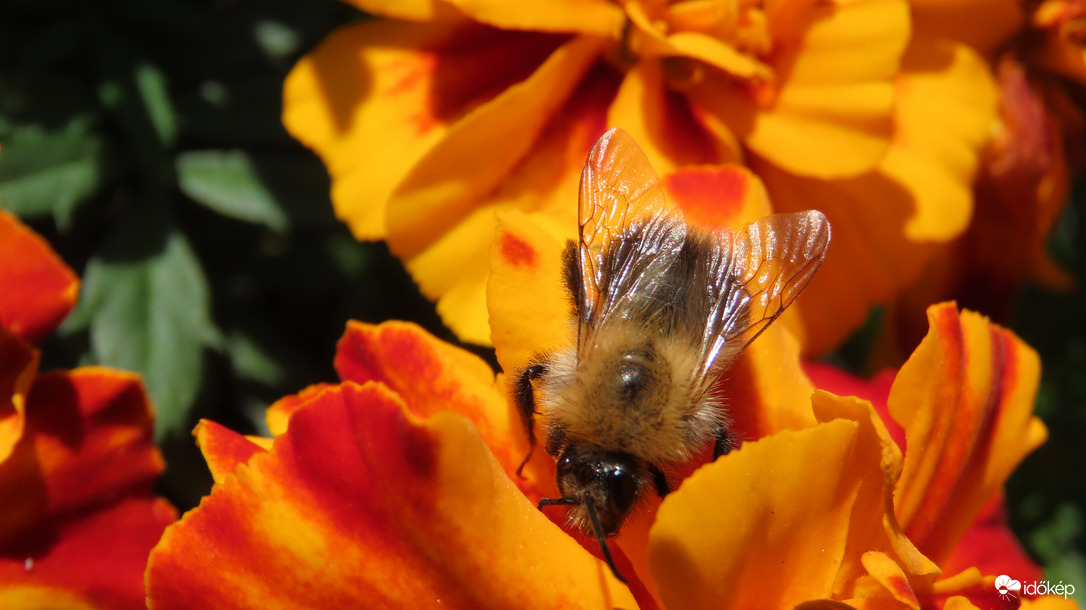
x=228 y=183
x=52 y=171
x=149 y=310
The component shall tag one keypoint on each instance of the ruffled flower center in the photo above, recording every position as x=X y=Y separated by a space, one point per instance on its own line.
x=690 y=36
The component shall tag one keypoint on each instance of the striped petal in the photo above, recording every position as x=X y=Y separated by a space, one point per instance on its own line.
x=965 y=400
x=361 y=503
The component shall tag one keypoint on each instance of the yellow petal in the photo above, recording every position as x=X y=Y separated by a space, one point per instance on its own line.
x=831 y=115
x=600 y=17
x=765 y=527
x=946 y=106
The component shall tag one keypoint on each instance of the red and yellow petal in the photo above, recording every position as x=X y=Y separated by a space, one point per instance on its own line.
x=965 y=400
x=431 y=376
x=362 y=503
x=18 y=366
x=88 y=440
x=38 y=288
x=223 y=449
x=526 y=324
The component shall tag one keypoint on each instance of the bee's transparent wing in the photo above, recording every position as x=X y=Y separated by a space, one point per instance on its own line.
x=628 y=233
x=754 y=275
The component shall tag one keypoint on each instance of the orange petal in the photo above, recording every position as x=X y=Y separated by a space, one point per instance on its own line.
x=360 y=503
x=88 y=437
x=38 y=288
x=965 y=400
x=983 y=24
x=399 y=354
x=223 y=448
x=768 y=524
x=666 y=125
x=18 y=365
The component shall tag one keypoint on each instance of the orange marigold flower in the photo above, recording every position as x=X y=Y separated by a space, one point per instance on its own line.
x=433 y=120
x=396 y=488
x=77 y=459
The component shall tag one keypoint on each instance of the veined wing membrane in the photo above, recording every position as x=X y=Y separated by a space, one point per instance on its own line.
x=766 y=265
x=628 y=233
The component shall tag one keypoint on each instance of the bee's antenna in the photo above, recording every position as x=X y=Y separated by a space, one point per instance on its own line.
x=601 y=538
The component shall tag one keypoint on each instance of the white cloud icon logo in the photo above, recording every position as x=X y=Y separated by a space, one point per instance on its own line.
x=1006 y=585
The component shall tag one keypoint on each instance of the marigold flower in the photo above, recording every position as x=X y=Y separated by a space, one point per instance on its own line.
x=397 y=487
x=482 y=106
x=76 y=454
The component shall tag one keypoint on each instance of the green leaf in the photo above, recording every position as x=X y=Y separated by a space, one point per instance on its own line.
x=51 y=172
x=262 y=189
x=227 y=182
x=149 y=310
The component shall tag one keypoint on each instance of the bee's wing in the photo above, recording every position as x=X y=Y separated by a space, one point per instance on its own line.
x=754 y=275
x=628 y=233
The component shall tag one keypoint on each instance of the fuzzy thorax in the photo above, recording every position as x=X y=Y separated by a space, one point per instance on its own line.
x=630 y=391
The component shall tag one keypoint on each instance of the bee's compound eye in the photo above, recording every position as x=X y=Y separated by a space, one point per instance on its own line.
x=622 y=490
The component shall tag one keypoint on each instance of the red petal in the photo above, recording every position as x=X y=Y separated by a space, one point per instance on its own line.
x=38 y=288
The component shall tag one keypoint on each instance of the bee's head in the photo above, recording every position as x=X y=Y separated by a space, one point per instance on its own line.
x=603 y=486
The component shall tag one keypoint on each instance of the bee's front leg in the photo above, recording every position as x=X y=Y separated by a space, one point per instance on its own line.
x=524 y=396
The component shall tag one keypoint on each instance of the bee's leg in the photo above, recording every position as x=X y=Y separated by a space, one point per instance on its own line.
x=724 y=442
x=524 y=396
x=660 y=479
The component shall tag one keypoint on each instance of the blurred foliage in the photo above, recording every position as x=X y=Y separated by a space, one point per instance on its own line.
x=144 y=141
